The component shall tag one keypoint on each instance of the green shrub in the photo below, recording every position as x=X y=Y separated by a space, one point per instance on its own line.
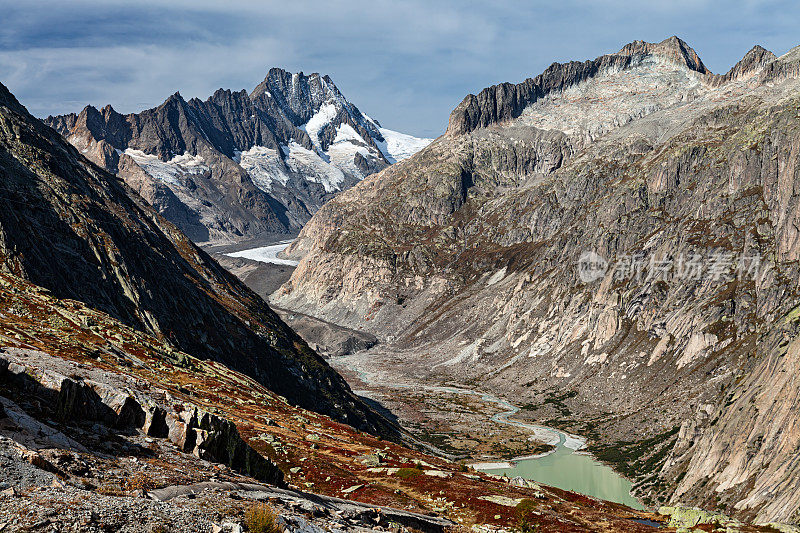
x=525 y=513
x=409 y=473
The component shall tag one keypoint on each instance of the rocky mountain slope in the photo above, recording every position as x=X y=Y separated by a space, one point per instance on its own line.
x=143 y=388
x=238 y=165
x=106 y=428
x=80 y=232
x=613 y=244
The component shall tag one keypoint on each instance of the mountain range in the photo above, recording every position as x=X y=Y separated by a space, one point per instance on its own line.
x=614 y=245
x=144 y=388
x=82 y=234
x=240 y=165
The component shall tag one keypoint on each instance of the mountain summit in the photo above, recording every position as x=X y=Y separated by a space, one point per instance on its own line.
x=672 y=49
x=238 y=165
x=505 y=102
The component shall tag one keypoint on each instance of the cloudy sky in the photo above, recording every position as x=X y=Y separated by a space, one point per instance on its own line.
x=406 y=64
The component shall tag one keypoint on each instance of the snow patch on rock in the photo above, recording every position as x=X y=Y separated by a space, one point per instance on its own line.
x=327 y=112
x=264 y=166
x=170 y=171
x=398 y=146
x=313 y=167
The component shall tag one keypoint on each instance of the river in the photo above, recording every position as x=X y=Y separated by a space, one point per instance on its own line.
x=565 y=468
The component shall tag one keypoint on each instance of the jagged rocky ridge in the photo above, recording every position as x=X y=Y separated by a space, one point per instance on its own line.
x=239 y=165
x=463 y=258
x=80 y=232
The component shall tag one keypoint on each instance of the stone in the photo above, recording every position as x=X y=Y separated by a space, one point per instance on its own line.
x=232 y=527
x=522 y=482
x=683 y=517
x=371 y=460
x=501 y=500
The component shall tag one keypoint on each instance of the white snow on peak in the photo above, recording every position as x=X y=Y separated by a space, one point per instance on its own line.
x=264 y=165
x=313 y=167
x=327 y=112
x=168 y=171
x=346 y=145
x=331 y=167
x=374 y=122
x=398 y=146
x=345 y=132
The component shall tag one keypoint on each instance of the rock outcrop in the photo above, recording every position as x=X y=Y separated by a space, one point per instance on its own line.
x=613 y=244
x=88 y=401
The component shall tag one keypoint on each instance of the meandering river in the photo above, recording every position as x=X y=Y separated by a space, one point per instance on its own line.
x=566 y=467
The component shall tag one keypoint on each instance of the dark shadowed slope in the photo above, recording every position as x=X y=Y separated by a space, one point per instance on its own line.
x=80 y=232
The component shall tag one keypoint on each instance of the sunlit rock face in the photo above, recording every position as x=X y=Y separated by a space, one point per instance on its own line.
x=676 y=352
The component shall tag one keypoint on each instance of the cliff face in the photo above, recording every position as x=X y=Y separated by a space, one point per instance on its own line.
x=544 y=248
x=80 y=232
x=238 y=165
x=504 y=102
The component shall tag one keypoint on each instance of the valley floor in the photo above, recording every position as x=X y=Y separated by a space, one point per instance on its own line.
x=464 y=424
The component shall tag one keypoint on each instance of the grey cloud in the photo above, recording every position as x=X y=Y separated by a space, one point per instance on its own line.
x=405 y=63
